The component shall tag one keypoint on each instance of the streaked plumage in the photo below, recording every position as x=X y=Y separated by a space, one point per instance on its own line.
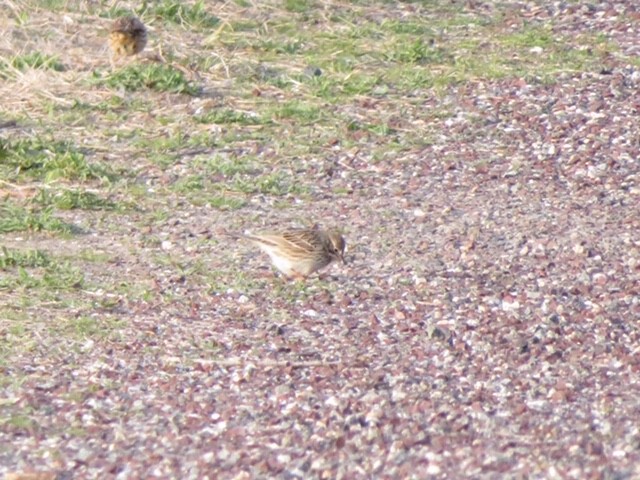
x=298 y=253
x=128 y=36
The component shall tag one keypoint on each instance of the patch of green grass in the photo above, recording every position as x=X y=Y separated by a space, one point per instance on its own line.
x=55 y=275
x=61 y=276
x=299 y=111
x=335 y=89
x=407 y=27
x=298 y=6
x=18 y=326
x=343 y=64
x=115 y=106
x=232 y=177
x=157 y=217
x=382 y=129
x=4 y=150
x=224 y=166
x=113 y=103
x=16 y=337
x=48 y=160
x=244 y=25
x=271 y=184
x=324 y=87
x=566 y=58
x=19 y=422
x=529 y=37
x=51 y=4
x=226 y=202
x=188 y=184
x=84 y=326
x=156 y=77
x=359 y=84
x=535 y=66
x=72 y=200
x=279 y=184
x=74 y=431
x=194 y=16
x=229 y=117
x=77 y=329
x=29 y=258
x=417 y=77
x=419 y=52
x=281 y=81
x=33 y=60
x=91 y=255
x=161 y=144
x=164 y=161
x=115 y=109
x=174 y=142
x=16 y=218
x=168 y=149
x=280 y=47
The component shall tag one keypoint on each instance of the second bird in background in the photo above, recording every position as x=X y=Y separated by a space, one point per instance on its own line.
x=299 y=252
x=128 y=36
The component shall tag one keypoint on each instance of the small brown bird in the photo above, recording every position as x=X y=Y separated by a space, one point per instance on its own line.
x=299 y=252
x=128 y=36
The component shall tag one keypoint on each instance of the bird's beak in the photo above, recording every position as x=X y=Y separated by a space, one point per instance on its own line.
x=344 y=260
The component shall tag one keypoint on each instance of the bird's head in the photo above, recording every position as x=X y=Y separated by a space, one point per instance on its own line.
x=336 y=245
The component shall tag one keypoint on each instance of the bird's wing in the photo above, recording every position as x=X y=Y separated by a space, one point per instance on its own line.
x=303 y=240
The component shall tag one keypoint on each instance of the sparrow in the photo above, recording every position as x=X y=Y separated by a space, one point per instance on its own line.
x=300 y=252
x=128 y=36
